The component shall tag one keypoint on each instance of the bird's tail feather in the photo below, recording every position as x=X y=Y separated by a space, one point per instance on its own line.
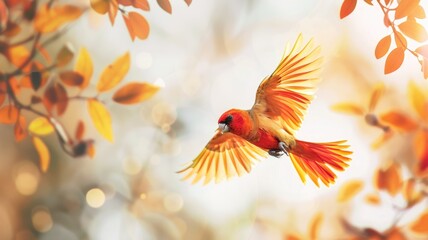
x=318 y=159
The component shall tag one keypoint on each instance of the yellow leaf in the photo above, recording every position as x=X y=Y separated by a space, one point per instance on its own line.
x=9 y=114
x=114 y=73
x=347 y=8
x=349 y=190
x=100 y=6
x=134 y=93
x=399 y=121
x=348 y=108
x=17 y=55
x=414 y=30
x=50 y=19
x=420 y=225
x=41 y=126
x=383 y=46
x=65 y=55
x=44 y=155
x=418 y=100
x=394 y=60
x=314 y=227
x=84 y=66
x=101 y=118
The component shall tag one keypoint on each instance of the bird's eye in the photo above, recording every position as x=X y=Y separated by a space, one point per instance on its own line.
x=228 y=119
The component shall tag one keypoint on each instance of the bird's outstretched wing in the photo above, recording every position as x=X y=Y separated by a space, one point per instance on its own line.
x=285 y=95
x=226 y=155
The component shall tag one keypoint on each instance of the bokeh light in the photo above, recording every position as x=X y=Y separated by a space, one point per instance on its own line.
x=41 y=219
x=95 y=197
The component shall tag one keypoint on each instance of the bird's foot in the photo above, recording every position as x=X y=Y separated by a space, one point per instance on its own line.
x=283 y=147
x=276 y=153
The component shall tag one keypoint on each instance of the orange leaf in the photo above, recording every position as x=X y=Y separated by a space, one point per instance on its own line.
x=394 y=60
x=17 y=55
x=405 y=8
x=80 y=130
x=373 y=198
x=349 y=190
x=84 y=66
x=400 y=40
x=101 y=118
x=19 y=129
x=90 y=149
x=188 y=2
x=418 y=100
x=419 y=12
x=348 y=108
x=100 y=6
x=41 y=126
x=369 y=2
x=165 y=5
x=114 y=73
x=71 y=78
x=421 y=150
x=420 y=225
x=383 y=46
x=141 y=4
x=134 y=93
x=395 y=234
x=44 y=155
x=137 y=25
x=347 y=8
x=423 y=50
x=65 y=55
x=314 y=227
x=9 y=114
x=399 y=121
x=50 y=19
x=376 y=94
x=389 y=179
x=414 y=30
x=112 y=11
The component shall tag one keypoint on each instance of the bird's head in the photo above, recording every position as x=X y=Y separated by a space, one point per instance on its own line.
x=234 y=121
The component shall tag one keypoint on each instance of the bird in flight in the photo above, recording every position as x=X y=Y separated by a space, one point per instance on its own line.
x=268 y=128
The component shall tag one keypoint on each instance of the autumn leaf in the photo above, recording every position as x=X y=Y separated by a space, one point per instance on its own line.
x=50 y=19
x=41 y=126
x=399 y=121
x=372 y=198
x=419 y=12
x=347 y=8
x=314 y=227
x=17 y=55
x=418 y=100
x=137 y=25
x=19 y=129
x=405 y=8
x=394 y=60
x=44 y=155
x=101 y=119
x=36 y=77
x=188 y=2
x=114 y=73
x=376 y=94
x=135 y=92
x=349 y=190
x=421 y=150
x=100 y=6
x=84 y=66
x=383 y=46
x=389 y=179
x=80 y=130
x=141 y=4
x=369 y=2
x=64 y=56
x=71 y=78
x=422 y=50
x=56 y=95
x=9 y=114
x=414 y=30
x=400 y=40
x=395 y=234
x=420 y=225
x=348 y=108
x=4 y=15
x=112 y=11
x=165 y=5
x=90 y=149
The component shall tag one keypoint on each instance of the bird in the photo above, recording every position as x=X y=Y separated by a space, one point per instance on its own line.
x=268 y=128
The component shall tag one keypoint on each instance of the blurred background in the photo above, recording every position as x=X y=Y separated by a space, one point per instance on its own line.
x=207 y=58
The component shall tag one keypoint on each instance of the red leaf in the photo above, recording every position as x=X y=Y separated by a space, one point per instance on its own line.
x=394 y=60
x=347 y=8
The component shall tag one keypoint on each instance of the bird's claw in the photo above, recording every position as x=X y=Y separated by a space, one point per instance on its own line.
x=284 y=148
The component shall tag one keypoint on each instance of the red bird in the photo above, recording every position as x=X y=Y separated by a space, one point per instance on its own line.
x=244 y=136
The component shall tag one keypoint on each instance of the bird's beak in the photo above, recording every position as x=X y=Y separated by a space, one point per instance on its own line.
x=223 y=127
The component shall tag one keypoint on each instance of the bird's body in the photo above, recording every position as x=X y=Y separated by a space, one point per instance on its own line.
x=269 y=126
